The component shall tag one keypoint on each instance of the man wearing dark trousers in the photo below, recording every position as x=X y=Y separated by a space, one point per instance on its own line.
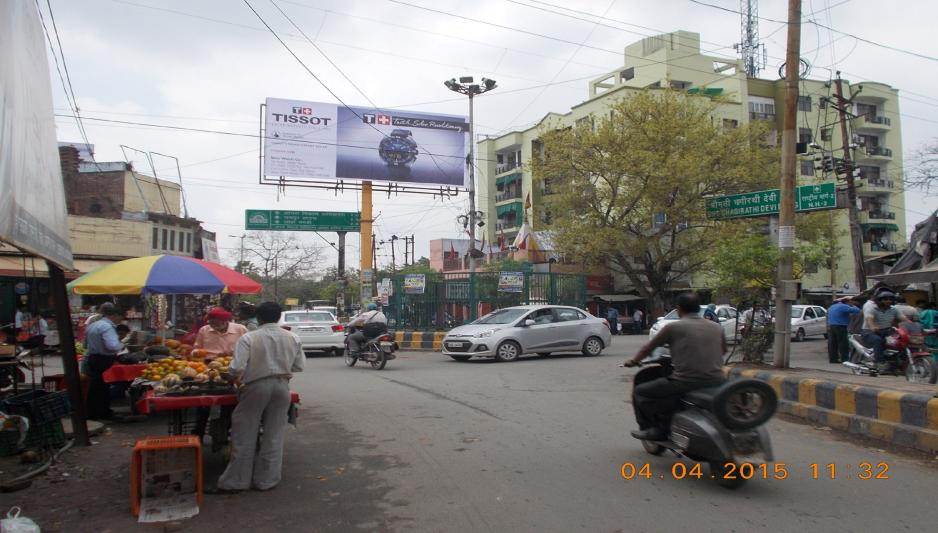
x=697 y=346
x=838 y=320
x=101 y=345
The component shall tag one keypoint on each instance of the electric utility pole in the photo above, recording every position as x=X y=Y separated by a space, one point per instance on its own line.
x=786 y=288
x=856 y=237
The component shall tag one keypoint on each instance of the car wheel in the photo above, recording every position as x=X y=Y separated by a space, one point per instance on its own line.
x=461 y=358
x=592 y=346
x=799 y=335
x=334 y=352
x=508 y=351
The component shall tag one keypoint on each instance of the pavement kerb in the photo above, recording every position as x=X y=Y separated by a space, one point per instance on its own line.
x=896 y=417
x=420 y=340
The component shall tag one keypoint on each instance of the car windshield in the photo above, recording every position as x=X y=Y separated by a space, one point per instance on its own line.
x=502 y=316
x=673 y=314
x=796 y=312
x=308 y=317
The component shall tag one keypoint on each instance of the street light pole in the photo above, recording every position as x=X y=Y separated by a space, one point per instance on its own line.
x=240 y=268
x=466 y=86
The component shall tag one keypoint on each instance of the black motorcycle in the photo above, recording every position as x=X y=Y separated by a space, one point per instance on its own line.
x=722 y=426
x=377 y=351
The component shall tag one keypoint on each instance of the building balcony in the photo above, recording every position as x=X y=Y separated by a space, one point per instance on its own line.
x=753 y=115
x=507 y=196
x=876 y=183
x=881 y=215
x=507 y=226
x=503 y=168
x=878 y=153
x=881 y=248
x=872 y=122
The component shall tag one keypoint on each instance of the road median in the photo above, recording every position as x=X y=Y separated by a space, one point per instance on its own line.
x=906 y=415
x=420 y=340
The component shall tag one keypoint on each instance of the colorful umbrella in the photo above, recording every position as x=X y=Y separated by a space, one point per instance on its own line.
x=164 y=274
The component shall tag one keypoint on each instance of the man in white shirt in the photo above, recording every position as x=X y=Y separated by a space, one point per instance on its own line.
x=638 y=321
x=264 y=361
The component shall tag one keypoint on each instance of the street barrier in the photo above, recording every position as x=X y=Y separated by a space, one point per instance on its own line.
x=900 y=418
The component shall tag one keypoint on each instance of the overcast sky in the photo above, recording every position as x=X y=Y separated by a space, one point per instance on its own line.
x=210 y=63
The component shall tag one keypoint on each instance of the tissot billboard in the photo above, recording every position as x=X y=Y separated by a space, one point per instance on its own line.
x=327 y=141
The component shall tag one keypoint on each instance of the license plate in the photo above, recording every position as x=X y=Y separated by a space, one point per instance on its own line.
x=310 y=330
x=387 y=345
x=455 y=344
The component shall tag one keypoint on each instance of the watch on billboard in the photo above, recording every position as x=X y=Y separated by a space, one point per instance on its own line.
x=327 y=141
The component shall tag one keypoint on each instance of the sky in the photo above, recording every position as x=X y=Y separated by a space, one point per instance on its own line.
x=209 y=64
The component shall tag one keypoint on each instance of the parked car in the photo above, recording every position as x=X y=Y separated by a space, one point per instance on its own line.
x=319 y=331
x=509 y=333
x=726 y=314
x=807 y=321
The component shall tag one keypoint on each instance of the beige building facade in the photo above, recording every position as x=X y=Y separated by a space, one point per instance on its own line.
x=508 y=197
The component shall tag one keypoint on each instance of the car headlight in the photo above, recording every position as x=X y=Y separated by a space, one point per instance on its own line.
x=483 y=334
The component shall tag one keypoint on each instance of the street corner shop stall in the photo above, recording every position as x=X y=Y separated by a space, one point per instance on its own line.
x=188 y=388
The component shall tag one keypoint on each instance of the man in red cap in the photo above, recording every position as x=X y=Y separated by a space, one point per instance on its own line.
x=220 y=335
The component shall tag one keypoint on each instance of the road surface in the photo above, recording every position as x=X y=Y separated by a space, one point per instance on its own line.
x=537 y=445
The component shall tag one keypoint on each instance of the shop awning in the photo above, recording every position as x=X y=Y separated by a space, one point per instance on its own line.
x=879 y=225
x=929 y=274
x=618 y=297
x=12 y=266
x=507 y=179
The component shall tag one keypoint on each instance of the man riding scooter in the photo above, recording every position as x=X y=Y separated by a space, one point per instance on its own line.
x=368 y=325
x=878 y=321
x=697 y=346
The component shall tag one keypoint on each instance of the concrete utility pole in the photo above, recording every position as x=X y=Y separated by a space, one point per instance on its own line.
x=786 y=289
x=856 y=237
x=340 y=274
x=367 y=245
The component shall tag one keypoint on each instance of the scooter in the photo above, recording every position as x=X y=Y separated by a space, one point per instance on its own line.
x=377 y=351
x=905 y=353
x=723 y=426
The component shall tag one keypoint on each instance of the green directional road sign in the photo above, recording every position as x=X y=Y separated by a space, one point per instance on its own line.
x=278 y=220
x=765 y=203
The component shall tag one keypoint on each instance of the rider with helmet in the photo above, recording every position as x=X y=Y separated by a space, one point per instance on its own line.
x=368 y=325
x=878 y=320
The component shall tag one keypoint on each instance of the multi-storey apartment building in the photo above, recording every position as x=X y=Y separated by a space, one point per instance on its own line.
x=509 y=198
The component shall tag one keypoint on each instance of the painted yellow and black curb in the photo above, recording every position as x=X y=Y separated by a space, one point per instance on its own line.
x=901 y=418
x=419 y=340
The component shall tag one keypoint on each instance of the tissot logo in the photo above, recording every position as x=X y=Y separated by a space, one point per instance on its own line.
x=302 y=110
x=301 y=118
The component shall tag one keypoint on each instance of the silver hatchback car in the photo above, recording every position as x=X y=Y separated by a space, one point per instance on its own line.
x=509 y=333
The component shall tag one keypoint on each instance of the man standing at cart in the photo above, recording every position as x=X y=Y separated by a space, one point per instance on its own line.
x=220 y=335
x=101 y=346
x=264 y=361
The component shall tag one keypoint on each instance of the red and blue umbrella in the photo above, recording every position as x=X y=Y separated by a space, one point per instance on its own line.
x=164 y=274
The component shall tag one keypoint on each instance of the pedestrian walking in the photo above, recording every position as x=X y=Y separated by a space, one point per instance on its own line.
x=264 y=361
x=612 y=316
x=838 y=321
x=101 y=346
x=638 y=321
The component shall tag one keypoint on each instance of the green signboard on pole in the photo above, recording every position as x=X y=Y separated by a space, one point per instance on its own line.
x=279 y=220
x=765 y=203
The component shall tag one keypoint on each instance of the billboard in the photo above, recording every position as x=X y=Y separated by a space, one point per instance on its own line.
x=328 y=141
x=32 y=196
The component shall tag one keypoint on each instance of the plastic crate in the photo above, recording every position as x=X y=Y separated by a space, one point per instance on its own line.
x=45 y=435
x=39 y=406
x=155 y=447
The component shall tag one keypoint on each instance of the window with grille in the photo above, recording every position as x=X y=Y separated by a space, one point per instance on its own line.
x=804 y=103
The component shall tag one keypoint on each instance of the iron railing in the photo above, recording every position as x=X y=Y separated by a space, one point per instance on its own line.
x=453 y=299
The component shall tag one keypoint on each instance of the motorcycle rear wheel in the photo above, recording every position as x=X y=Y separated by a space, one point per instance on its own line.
x=379 y=360
x=922 y=370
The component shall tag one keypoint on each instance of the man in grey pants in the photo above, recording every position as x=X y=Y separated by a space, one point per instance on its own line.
x=264 y=361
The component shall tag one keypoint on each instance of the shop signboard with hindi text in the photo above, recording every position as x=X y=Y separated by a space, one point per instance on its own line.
x=33 y=215
x=765 y=203
x=321 y=141
x=281 y=220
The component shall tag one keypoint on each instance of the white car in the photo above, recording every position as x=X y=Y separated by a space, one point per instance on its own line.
x=328 y=308
x=726 y=314
x=807 y=321
x=317 y=330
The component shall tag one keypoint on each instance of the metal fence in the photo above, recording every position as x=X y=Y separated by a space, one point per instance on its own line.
x=448 y=300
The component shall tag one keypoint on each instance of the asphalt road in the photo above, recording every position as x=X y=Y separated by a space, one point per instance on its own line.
x=537 y=445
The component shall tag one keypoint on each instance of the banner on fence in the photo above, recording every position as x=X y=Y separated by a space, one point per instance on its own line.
x=415 y=283
x=510 y=281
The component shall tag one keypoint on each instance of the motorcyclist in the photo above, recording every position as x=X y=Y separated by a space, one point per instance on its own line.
x=878 y=321
x=368 y=325
x=697 y=347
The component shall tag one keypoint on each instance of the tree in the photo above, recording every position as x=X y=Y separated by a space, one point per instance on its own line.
x=630 y=192
x=272 y=257
x=923 y=173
